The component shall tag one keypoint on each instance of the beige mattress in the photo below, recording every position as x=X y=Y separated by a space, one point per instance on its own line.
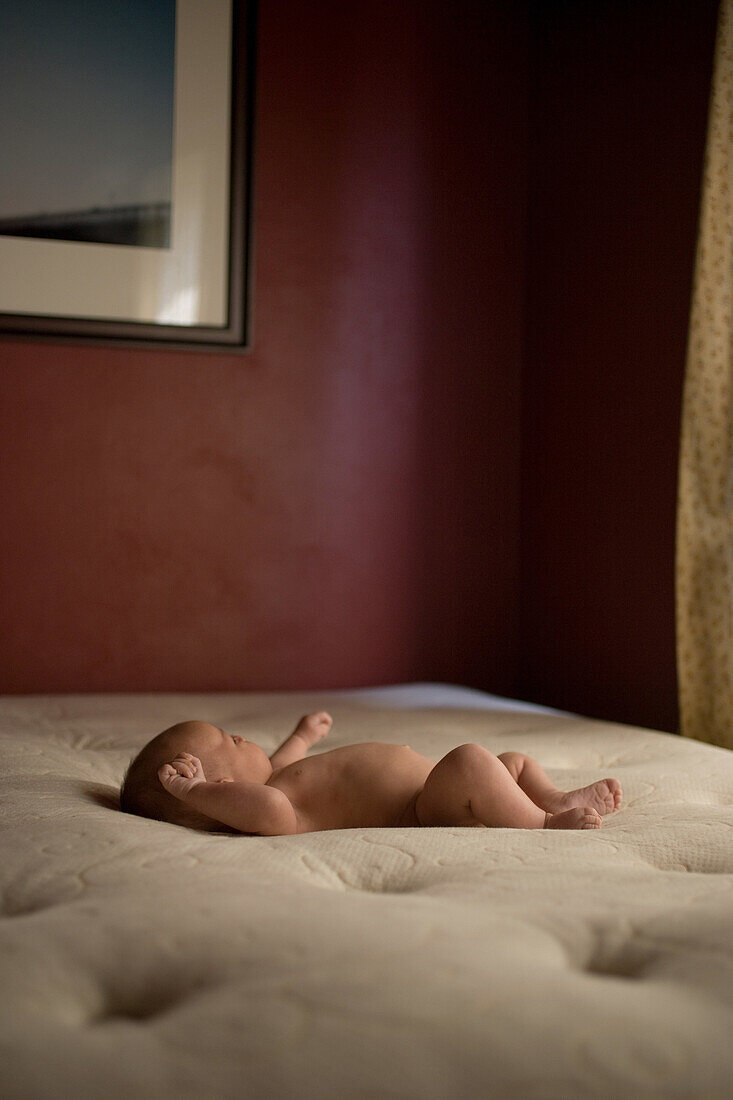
x=139 y=959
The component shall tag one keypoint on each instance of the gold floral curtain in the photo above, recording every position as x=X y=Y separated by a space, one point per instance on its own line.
x=705 y=509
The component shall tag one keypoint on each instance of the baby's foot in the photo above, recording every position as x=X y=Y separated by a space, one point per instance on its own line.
x=578 y=817
x=182 y=775
x=313 y=727
x=604 y=796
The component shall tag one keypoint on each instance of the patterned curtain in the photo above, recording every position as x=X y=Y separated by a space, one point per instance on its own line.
x=705 y=509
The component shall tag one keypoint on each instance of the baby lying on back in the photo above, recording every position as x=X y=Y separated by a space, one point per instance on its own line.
x=197 y=775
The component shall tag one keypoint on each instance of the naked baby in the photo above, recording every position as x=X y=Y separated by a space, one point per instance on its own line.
x=197 y=775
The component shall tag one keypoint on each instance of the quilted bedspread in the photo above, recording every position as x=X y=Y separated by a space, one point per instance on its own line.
x=140 y=959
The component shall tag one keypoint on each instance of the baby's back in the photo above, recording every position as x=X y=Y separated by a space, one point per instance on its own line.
x=363 y=785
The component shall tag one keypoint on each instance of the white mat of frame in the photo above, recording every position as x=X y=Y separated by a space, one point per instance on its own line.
x=141 y=959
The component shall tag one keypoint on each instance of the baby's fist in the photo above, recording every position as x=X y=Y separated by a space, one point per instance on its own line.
x=182 y=775
x=314 y=727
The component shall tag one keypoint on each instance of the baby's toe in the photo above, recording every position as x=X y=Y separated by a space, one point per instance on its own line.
x=615 y=794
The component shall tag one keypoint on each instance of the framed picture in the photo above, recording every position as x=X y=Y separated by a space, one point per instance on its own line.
x=125 y=189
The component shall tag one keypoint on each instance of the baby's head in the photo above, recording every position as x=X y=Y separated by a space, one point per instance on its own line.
x=142 y=792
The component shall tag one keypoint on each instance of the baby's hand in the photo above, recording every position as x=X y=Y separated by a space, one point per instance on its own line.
x=314 y=727
x=182 y=775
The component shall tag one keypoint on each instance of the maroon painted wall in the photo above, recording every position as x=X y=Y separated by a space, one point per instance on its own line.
x=451 y=452
x=619 y=109
x=341 y=505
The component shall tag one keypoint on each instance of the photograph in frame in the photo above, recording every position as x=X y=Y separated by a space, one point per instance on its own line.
x=124 y=204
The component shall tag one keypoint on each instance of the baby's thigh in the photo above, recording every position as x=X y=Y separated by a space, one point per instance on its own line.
x=445 y=799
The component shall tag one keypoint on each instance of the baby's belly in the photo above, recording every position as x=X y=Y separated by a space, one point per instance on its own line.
x=359 y=786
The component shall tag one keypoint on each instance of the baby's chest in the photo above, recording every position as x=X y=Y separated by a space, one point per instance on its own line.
x=353 y=789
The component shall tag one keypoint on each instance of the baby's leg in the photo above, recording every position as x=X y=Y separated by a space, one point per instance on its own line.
x=604 y=796
x=471 y=786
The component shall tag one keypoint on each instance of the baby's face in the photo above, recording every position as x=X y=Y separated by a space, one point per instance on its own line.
x=223 y=755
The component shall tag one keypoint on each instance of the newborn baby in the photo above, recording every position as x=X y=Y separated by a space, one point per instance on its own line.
x=194 y=774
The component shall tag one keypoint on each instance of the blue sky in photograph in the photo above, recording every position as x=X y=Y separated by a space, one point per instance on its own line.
x=86 y=104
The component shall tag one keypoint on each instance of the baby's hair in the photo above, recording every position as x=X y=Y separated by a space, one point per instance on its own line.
x=144 y=795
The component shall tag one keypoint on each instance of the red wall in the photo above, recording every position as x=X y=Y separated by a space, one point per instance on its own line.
x=452 y=451
x=339 y=506
x=619 y=109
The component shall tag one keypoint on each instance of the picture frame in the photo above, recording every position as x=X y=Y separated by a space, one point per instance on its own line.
x=192 y=292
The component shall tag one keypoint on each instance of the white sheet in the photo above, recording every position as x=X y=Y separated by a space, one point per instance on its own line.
x=141 y=959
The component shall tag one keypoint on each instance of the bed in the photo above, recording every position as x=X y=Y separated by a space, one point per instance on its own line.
x=142 y=959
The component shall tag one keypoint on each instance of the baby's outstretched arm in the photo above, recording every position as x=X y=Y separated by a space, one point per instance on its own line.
x=247 y=807
x=310 y=729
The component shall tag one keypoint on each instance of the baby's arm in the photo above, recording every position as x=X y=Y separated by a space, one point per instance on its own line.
x=247 y=807
x=310 y=729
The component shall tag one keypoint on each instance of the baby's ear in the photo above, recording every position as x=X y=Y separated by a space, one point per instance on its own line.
x=227 y=780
